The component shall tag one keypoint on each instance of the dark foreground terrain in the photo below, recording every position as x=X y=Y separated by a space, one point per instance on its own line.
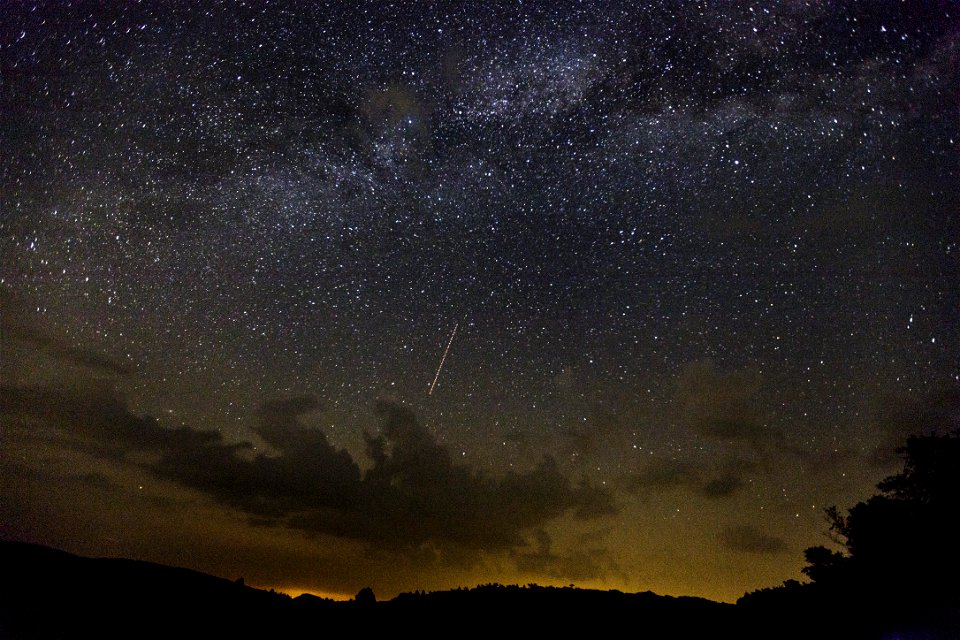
x=46 y=593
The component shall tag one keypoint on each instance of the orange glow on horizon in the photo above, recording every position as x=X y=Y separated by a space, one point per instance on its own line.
x=294 y=591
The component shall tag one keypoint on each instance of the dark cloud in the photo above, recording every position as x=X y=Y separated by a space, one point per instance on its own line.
x=582 y=563
x=96 y=420
x=728 y=478
x=413 y=477
x=289 y=408
x=723 y=486
x=662 y=475
x=749 y=539
x=18 y=325
x=96 y=480
x=413 y=497
x=721 y=405
x=280 y=425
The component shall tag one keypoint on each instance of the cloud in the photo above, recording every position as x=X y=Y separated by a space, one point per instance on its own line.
x=95 y=420
x=289 y=408
x=18 y=325
x=723 y=486
x=91 y=360
x=280 y=425
x=582 y=563
x=95 y=480
x=663 y=475
x=720 y=405
x=748 y=539
x=413 y=474
x=413 y=497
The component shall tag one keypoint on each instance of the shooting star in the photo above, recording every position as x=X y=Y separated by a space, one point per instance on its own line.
x=445 y=351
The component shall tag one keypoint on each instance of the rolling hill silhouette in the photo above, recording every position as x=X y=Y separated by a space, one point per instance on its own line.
x=47 y=593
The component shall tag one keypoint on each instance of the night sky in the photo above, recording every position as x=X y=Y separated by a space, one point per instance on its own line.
x=701 y=258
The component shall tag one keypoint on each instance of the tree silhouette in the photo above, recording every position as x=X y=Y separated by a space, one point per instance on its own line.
x=365 y=597
x=903 y=545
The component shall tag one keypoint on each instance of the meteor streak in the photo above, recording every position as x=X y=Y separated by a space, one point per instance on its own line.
x=445 y=351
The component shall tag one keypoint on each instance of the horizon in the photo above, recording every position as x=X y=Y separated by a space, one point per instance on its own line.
x=294 y=592
x=431 y=295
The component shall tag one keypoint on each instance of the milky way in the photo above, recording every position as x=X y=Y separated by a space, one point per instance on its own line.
x=702 y=258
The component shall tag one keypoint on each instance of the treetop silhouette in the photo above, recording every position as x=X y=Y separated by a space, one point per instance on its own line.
x=901 y=546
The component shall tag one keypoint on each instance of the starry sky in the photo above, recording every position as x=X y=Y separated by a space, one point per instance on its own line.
x=701 y=259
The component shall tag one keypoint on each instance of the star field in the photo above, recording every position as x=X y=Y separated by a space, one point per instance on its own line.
x=702 y=256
